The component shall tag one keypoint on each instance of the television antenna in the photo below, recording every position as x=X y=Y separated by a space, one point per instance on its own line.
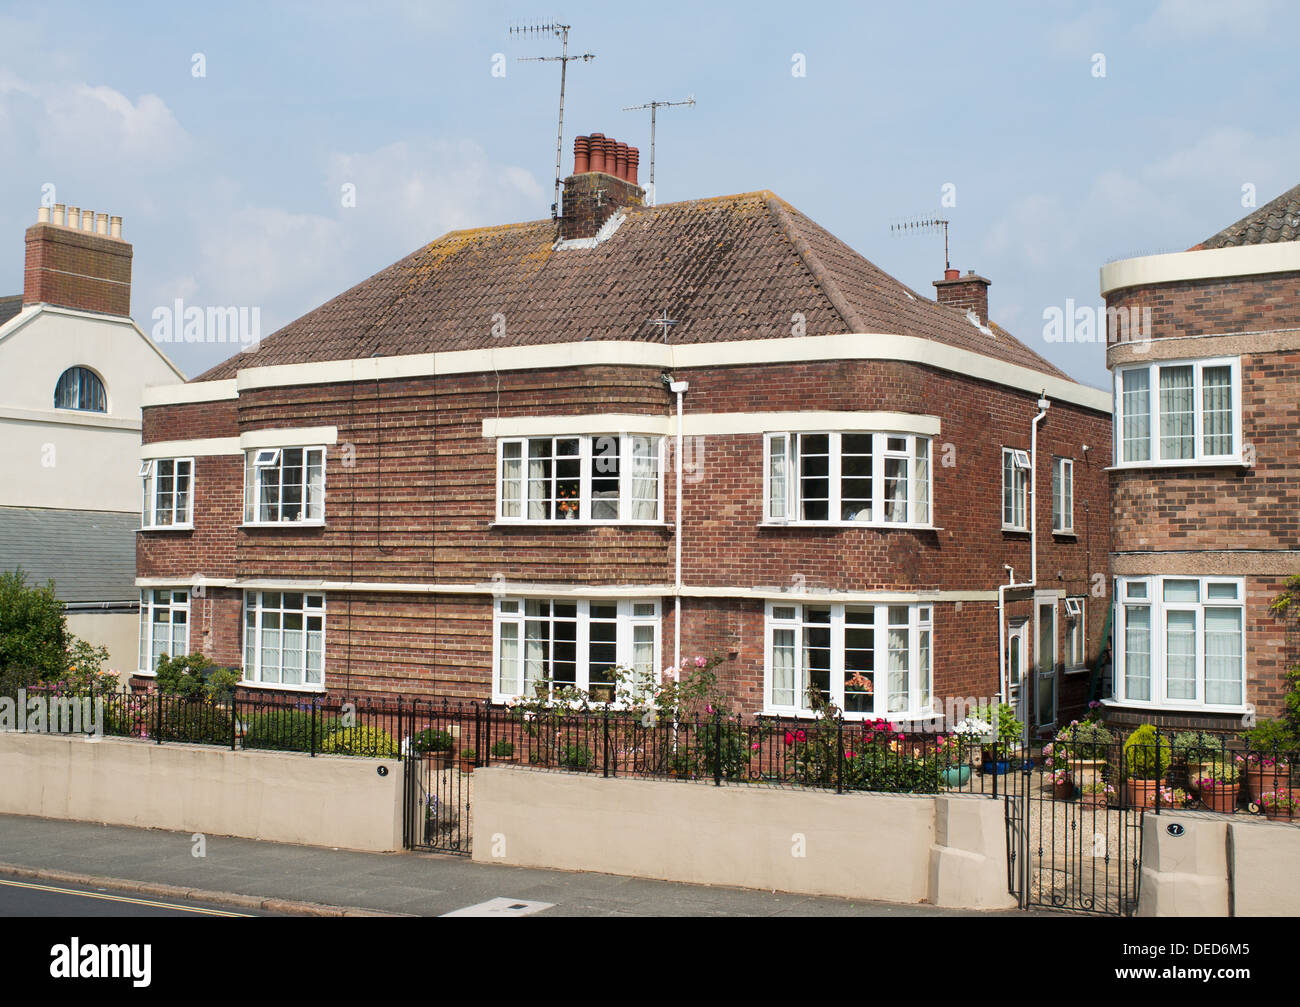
x=561 y=31
x=925 y=225
x=654 y=106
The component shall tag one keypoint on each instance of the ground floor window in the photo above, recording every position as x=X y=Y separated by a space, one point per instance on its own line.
x=1181 y=641
x=575 y=643
x=164 y=625
x=868 y=660
x=284 y=638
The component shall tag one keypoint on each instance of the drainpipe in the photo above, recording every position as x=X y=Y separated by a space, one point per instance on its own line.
x=1043 y=406
x=678 y=388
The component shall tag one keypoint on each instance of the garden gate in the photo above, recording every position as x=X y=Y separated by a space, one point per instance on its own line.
x=439 y=782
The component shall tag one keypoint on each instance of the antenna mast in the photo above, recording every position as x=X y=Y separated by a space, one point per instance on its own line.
x=654 y=106
x=925 y=225
x=561 y=31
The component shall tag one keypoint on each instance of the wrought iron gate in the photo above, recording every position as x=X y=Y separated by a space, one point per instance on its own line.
x=439 y=782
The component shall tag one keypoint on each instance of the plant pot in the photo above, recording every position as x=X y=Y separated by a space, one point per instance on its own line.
x=1259 y=780
x=1141 y=793
x=1221 y=798
x=467 y=766
x=956 y=776
x=1092 y=799
x=438 y=760
x=1063 y=791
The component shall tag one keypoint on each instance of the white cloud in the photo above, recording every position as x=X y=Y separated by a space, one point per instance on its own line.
x=1200 y=19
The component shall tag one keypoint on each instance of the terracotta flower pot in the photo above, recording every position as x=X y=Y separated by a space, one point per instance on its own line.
x=1222 y=797
x=1063 y=791
x=1141 y=793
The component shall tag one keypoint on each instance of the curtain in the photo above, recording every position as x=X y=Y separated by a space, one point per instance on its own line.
x=315 y=486
x=539 y=480
x=896 y=489
x=645 y=479
x=777 y=467
x=250 y=641
x=1137 y=652
x=271 y=647
x=783 y=667
x=291 y=655
x=535 y=640
x=1177 y=412
x=1216 y=417
x=1180 y=654
x=250 y=490
x=643 y=656
x=1136 y=406
x=512 y=473
x=508 y=662
x=1223 y=656
x=922 y=480
x=315 y=650
x=899 y=685
x=923 y=668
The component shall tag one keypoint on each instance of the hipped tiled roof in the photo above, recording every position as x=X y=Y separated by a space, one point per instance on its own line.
x=728 y=268
x=1276 y=220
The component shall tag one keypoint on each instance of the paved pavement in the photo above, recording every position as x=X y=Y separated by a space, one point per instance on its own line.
x=31 y=898
x=414 y=884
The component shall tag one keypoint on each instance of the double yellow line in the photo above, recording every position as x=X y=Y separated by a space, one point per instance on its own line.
x=198 y=910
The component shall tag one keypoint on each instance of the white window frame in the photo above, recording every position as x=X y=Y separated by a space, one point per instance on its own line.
x=177 y=601
x=255 y=606
x=1062 y=496
x=259 y=461
x=1199 y=455
x=1076 y=634
x=918 y=455
x=920 y=617
x=588 y=445
x=1020 y=469
x=149 y=512
x=1157 y=606
x=631 y=613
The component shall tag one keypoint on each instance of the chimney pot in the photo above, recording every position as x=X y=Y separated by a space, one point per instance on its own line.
x=43 y=215
x=597 y=152
x=60 y=212
x=611 y=155
x=74 y=217
x=620 y=160
x=88 y=221
x=581 y=155
x=951 y=274
x=115 y=227
x=965 y=293
x=101 y=224
x=633 y=159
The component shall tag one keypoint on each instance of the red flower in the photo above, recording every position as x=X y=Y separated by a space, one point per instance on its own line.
x=789 y=739
x=800 y=736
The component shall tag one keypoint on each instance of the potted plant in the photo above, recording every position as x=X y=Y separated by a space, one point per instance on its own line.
x=1218 y=785
x=503 y=751
x=1097 y=794
x=1278 y=804
x=468 y=759
x=435 y=745
x=953 y=753
x=998 y=743
x=1147 y=758
x=1260 y=773
x=1080 y=743
x=1190 y=750
x=1174 y=797
x=1062 y=784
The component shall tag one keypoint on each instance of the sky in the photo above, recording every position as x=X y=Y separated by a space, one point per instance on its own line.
x=1054 y=136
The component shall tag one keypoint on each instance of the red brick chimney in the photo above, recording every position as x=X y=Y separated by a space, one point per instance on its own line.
x=969 y=292
x=602 y=183
x=77 y=259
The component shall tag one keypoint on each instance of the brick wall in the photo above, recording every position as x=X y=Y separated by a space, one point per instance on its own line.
x=76 y=269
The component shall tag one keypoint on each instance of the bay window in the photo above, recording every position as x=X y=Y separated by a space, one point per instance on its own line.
x=868 y=660
x=578 y=643
x=1182 y=642
x=284 y=638
x=847 y=478
x=168 y=498
x=1184 y=412
x=164 y=626
x=609 y=477
x=284 y=486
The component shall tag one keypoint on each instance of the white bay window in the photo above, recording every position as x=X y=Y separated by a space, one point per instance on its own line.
x=168 y=493
x=577 y=643
x=284 y=486
x=847 y=478
x=1181 y=642
x=868 y=660
x=610 y=477
x=164 y=626
x=284 y=639
x=1178 y=413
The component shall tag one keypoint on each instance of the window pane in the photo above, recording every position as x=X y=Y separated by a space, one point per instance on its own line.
x=540 y=462
x=1216 y=417
x=605 y=459
x=899 y=678
x=859 y=662
x=512 y=471
x=1137 y=652
x=855 y=477
x=1223 y=683
x=1176 y=412
x=814 y=477
x=1046 y=639
x=783 y=667
x=602 y=658
x=645 y=479
x=776 y=476
x=508 y=659
x=1135 y=405
x=1182 y=590
x=896 y=489
x=816 y=659
x=315 y=485
x=1180 y=655
x=568 y=477
x=643 y=654
x=922 y=480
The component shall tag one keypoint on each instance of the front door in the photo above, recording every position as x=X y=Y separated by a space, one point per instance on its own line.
x=1045 y=665
x=1017 y=651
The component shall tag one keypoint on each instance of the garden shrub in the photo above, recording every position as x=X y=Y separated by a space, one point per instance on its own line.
x=1141 y=761
x=284 y=730
x=368 y=741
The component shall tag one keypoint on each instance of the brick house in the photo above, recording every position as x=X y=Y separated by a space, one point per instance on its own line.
x=628 y=437
x=1205 y=353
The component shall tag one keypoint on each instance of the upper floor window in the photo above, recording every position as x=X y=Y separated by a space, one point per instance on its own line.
x=841 y=478
x=542 y=646
x=1178 y=413
x=80 y=388
x=164 y=626
x=1015 y=489
x=868 y=660
x=168 y=492
x=1181 y=641
x=609 y=477
x=284 y=638
x=1063 y=496
x=284 y=486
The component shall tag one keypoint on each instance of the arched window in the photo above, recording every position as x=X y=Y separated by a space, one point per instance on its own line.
x=80 y=388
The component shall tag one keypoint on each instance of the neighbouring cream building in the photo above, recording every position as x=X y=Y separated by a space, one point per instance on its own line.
x=73 y=369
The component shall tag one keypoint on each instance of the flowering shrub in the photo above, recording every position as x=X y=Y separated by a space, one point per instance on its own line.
x=1277 y=801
